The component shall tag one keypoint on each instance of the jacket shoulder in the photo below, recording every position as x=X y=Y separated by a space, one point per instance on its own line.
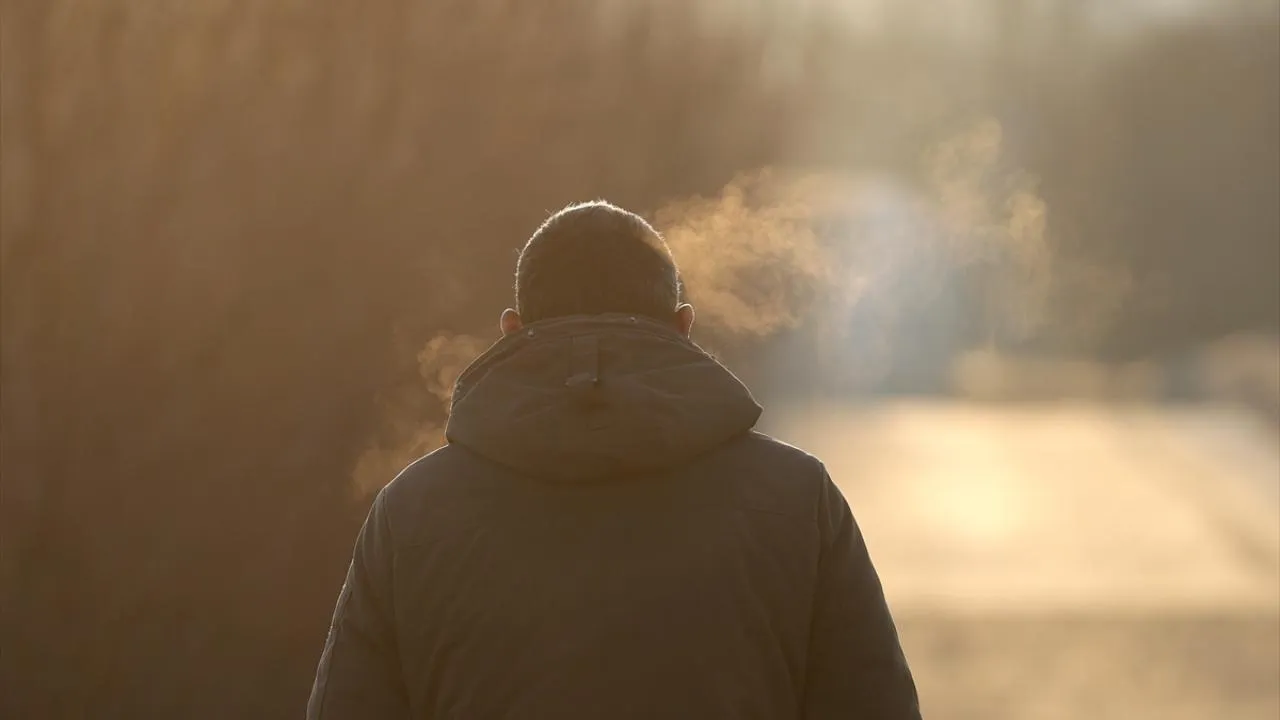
x=776 y=451
x=441 y=479
x=764 y=474
x=425 y=472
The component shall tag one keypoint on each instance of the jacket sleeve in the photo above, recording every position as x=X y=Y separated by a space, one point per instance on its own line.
x=359 y=675
x=856 y=667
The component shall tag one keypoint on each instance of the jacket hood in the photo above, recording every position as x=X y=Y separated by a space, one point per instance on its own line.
x=595 y=397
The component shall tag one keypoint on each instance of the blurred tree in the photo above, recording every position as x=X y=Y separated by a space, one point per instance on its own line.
x=215 y=215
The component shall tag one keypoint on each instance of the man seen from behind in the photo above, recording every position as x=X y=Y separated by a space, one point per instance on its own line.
x=605 y=535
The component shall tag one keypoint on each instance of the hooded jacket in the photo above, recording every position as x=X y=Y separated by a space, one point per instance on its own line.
x=606 y=536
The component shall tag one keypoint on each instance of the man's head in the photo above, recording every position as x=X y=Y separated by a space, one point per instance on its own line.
x=595 y=258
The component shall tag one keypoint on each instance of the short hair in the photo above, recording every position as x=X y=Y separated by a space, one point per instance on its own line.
x=595 y=258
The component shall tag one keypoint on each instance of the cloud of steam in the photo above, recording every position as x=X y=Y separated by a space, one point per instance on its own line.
x=751 y=257
x=992 y=216
x=771 y=247
x=777 y=250
x=415 y=416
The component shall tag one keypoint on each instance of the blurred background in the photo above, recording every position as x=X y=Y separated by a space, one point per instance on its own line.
x=1011 y=267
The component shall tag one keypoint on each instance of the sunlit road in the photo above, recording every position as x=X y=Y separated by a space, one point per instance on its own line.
x=1069 y=561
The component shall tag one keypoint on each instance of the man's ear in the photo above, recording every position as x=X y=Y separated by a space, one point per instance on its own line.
x=684 y=319
x=510 y=322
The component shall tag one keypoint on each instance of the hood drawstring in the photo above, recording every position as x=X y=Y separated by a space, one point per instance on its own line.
x=583 y=379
